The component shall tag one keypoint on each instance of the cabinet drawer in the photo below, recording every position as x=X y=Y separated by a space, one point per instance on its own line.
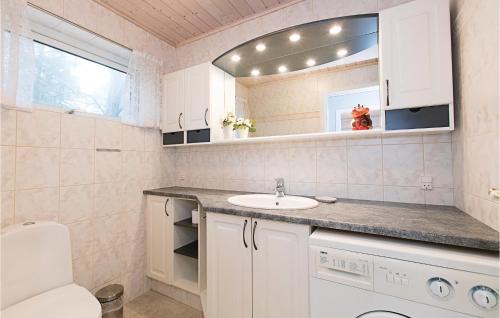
x=415 y=118
x=198 y=135
x=173 y=138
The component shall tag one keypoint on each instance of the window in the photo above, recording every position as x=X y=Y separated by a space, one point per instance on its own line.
x=69 y=81
x=339 y=106
x=76 y=69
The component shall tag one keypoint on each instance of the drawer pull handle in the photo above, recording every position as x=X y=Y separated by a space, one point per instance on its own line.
x=206 y=111
x=179 y=121
x=166 y=202
x=244 y=230
x=253 y=235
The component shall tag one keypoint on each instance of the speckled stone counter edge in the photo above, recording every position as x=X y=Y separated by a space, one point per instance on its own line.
x=453 y=240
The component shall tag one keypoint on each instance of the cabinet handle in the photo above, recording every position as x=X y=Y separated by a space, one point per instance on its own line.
x=179 y=121
x=244 y=230
x=387 y=92
x=166 y=207
x=253 y=235
x=206 y=111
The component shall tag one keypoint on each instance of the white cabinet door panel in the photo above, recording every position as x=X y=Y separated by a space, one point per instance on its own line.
x=415 y=54
x=173 y=114
x=229 y=267
x=197 y=97
x=159 y=238
x=280 y=270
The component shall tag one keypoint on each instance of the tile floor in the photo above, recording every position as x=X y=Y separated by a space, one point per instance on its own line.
x=155 y=305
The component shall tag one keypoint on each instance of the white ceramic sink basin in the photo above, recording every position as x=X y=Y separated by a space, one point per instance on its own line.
x=272 y=202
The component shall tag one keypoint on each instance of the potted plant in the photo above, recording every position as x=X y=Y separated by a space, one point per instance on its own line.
x=244 y=126
x=228 y=125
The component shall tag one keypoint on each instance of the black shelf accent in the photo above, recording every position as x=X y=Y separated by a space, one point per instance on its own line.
x=189 y=250
x=187 y=223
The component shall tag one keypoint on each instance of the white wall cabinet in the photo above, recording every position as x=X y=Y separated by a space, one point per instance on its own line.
x=256 y=268
x=194 y=98
x=415 y=55
x=173 y=114
x=159 y=238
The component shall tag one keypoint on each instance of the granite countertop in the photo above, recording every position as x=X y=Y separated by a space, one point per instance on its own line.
x=436 y=224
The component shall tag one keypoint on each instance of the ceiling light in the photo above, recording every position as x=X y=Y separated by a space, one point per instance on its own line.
x=282 y=69
x=311 y=62
x=260 y=47
x=335 y=29
x=341 y=52
x=294 y=37
x=235 y=58
x=255 y=72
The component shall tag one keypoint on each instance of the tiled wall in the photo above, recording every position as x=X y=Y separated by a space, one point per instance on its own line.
x=387 y=169
x=475 y=28
x=52 y=171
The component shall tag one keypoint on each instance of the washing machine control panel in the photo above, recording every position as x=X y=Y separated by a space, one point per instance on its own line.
x=471 y=293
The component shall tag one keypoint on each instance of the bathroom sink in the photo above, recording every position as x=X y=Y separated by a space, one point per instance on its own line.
x=272 y=202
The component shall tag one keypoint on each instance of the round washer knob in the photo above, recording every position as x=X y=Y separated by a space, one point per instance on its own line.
x=484 y=297
x=440 y=287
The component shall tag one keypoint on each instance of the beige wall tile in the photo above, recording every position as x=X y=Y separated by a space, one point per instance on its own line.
x=439 y=196
x=39 y=128
x=437 y=162
x=83 y=271
x=133 y=138
x=277 y=164
x=331 y=165
x=133 y=166
x=107 y=265
x=153 y=140
x=82 y=239
x=108 y=166
x=403 y=164
x=7 y=215
x=108 y=134
x=76 y=203
x=404 y=194
x=37 y=167
x=332 y=190
x=8 y=167
x=77 y=131
x=302 y=164
x=108 y=198
x=365 y=192
x=37 y=205
x=8 y=126
x=77 y=166
x=365 y=165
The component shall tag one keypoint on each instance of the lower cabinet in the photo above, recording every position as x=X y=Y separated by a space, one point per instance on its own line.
x=159 y=238
x=256 y=268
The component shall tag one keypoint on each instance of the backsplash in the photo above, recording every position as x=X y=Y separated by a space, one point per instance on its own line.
x=383 y=169
x=51 y=171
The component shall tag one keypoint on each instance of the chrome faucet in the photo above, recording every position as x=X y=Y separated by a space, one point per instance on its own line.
x=280 y=187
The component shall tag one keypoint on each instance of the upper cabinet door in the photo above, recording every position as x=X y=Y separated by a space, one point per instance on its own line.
x=280 y=269
x=197 y=97
x=159 y=238
x=229 y=267
x=173 y=115
x=415 y=54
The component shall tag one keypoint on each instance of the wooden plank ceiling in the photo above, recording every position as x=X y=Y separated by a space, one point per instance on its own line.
x=181 y=21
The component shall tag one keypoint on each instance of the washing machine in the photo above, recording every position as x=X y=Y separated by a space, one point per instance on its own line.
x=365 y=276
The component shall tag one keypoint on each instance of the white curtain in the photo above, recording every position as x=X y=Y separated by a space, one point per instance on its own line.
x=18 y=60
x=142 y=98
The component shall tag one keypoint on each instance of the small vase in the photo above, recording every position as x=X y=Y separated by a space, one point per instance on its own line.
x=243 y=133
x=228 y=131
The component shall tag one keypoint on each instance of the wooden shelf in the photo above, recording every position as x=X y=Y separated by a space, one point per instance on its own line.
x=189 y=250
x=187 y=223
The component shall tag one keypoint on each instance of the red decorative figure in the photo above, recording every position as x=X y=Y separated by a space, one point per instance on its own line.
x=361 y=118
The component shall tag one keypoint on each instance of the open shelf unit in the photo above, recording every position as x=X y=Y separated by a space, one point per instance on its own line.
x=186 y=246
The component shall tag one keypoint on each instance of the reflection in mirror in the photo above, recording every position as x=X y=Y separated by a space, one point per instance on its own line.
x=312 y=90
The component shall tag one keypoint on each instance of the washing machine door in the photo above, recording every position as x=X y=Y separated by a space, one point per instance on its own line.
x=382 y=314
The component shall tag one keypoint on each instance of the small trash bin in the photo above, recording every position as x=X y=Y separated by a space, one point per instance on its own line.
x=111 y=301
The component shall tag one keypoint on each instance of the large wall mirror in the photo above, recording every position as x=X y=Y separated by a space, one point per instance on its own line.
x=308 y=78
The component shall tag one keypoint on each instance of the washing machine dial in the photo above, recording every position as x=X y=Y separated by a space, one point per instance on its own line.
x=440 y=287
x=484 y=297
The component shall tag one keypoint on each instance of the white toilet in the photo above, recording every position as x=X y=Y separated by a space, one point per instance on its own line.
x=37 y=275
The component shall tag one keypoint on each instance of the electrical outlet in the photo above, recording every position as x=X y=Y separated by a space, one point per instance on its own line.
x=426 y=182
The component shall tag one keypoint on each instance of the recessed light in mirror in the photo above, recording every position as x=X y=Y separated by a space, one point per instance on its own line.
x=235 y=58
x=282 y=69
x=255 y=72
x=260 y=47
x=335 y=29
x=311 y=62
x=341 y=52
x=294 y=37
